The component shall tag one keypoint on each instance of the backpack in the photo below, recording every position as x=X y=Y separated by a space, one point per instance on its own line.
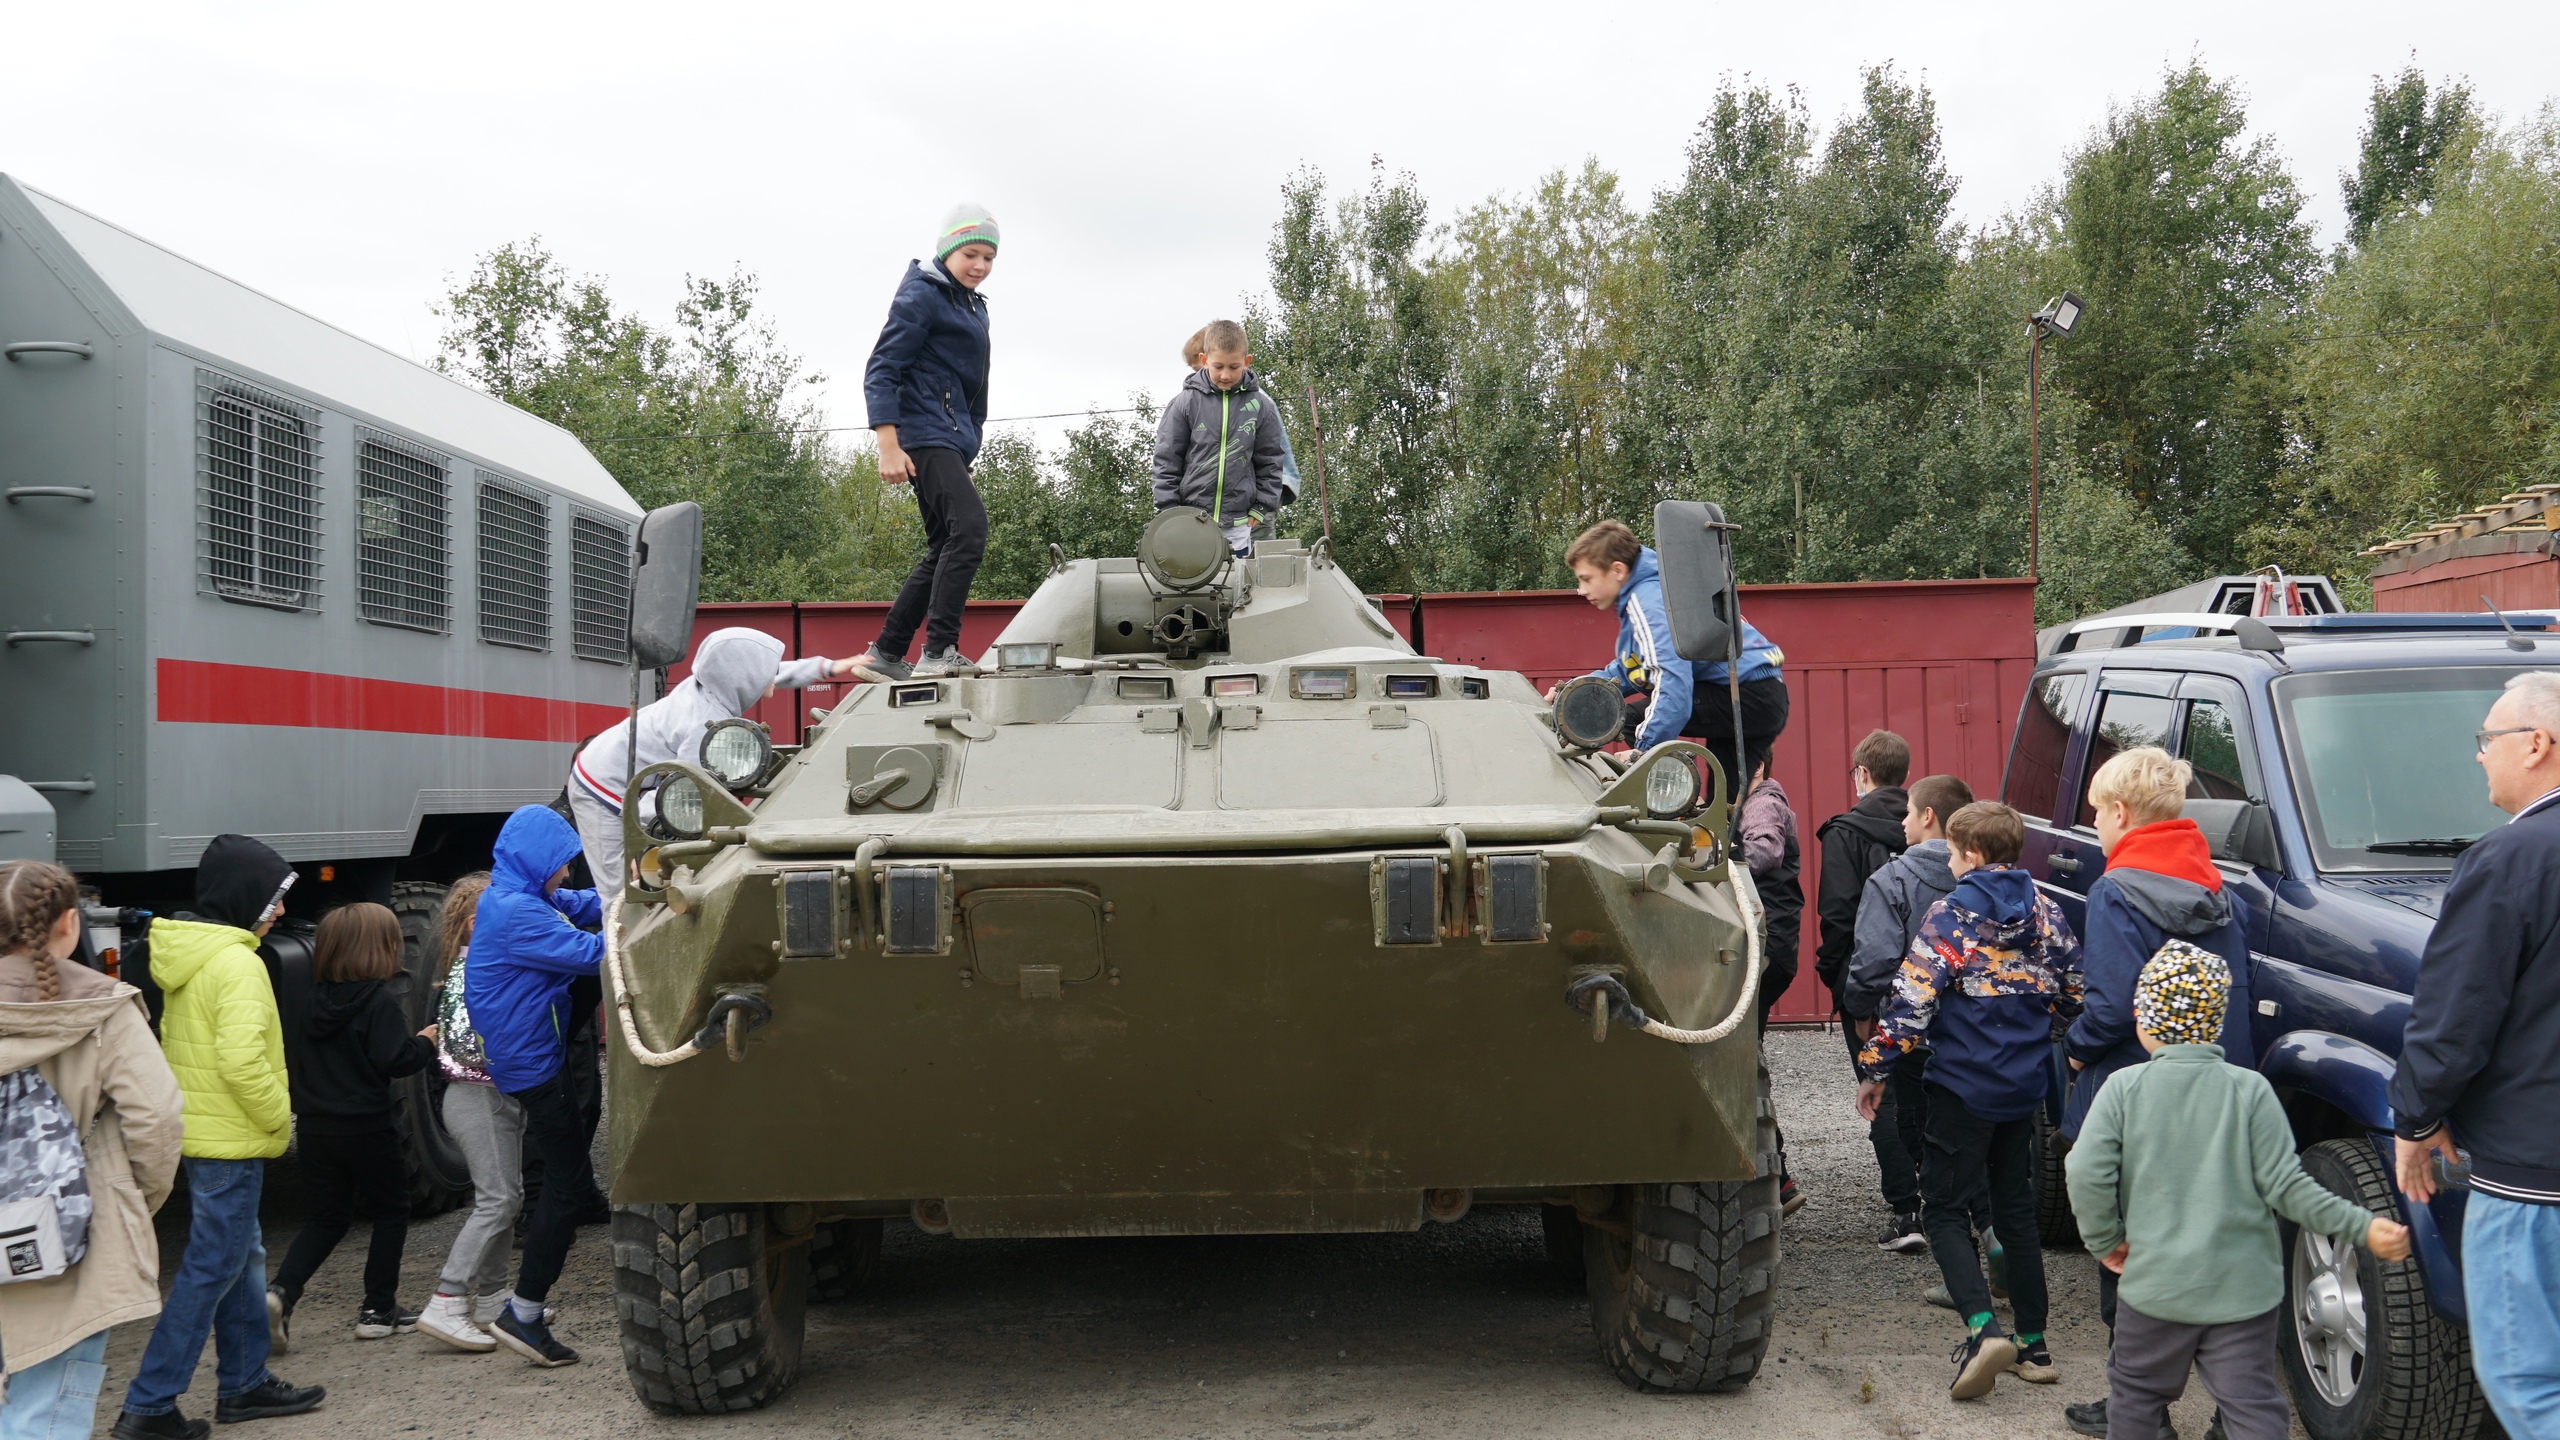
x=45 y=1203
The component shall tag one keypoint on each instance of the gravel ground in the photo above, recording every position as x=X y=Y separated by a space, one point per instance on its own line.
x=1460 y=1330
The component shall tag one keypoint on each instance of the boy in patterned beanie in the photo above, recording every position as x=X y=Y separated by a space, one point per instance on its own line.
x=2180 y=1171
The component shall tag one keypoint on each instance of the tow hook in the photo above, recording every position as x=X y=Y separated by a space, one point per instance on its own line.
x=734 y=1016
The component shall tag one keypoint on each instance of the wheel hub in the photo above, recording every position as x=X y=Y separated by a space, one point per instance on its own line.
x=2329 y=1316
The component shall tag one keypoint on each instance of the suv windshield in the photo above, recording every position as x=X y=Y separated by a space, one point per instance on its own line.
x=2383 y=762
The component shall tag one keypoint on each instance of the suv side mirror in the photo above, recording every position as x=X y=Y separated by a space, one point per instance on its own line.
x=1697 y=576
x=2242 y=832
x=666 y=581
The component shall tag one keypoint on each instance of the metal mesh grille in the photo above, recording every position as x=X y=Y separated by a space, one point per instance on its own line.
x=599 y=588
x=257 y=458
x=515 y=565
x=403 y=568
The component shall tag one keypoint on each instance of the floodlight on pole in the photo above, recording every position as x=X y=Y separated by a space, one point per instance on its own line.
x=2059 y=317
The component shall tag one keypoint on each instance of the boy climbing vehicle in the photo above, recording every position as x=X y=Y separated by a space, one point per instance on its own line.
x=1615 y=572
x=1992 y=966
x=1220 y=447
x=926 y=390
x=2182 y=1166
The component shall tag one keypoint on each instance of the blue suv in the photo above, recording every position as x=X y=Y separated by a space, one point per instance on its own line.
x=2335 y=781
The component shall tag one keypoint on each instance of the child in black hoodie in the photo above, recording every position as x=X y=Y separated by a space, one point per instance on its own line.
x=342 y=1058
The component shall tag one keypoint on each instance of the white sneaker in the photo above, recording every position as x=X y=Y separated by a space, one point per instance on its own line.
x=448 y=1318
x=945 y=661
x=486 y=1310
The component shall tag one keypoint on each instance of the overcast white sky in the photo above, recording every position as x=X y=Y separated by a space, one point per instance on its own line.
x=352 y=159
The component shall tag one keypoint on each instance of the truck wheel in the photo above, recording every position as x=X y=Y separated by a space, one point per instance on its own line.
x=2056 y=1227
x=844 y=1256
x=711 y=1318
x=439 y=1178
x=2365 y=1354
x=1683 y=1278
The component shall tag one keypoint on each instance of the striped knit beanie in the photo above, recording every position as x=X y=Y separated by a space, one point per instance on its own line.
x=2181 y=995
x=966 y=225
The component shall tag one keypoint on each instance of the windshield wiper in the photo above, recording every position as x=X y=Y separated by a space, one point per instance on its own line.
x=2419 y=847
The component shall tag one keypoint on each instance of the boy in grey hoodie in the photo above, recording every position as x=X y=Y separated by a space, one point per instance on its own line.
x=1897 y=896
x=1220 y=447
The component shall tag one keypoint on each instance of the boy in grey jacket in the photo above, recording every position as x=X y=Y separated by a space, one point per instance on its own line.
x=2181 y=1168
x=1220 y=447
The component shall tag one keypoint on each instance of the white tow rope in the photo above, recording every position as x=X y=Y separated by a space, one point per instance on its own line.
x=622 y=998
x=1746 y=898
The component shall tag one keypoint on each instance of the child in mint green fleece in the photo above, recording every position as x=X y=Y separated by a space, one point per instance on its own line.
x=2178 y=1175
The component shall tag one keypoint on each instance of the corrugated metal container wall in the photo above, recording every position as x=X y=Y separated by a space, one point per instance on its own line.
x=1941 y=663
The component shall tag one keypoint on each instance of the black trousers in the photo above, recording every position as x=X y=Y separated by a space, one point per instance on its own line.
x=955 y=540
x=584 y=1069
x=1960 y=1152
x=1907 y=1088
x=1894 y=1166
x=336 y=1171
x=554 y=1130
x=1764 y=718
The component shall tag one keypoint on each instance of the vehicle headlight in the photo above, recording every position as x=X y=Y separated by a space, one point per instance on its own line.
x=1670 y=787
x=1589 y=712
x=680 y=807
x=736 y=752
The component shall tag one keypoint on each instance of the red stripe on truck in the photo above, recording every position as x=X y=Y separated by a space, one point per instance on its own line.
x=205 y=693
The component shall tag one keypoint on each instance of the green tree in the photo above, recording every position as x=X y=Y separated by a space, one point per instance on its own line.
x=2407 y=134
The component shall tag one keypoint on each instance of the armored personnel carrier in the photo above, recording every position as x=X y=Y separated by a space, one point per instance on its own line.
x=1203 y=905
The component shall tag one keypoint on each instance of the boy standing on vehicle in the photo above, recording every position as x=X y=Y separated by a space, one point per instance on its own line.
x=1615 y=573
x=529 y=940
x=2182 y=1166
x=1890 y=908
x=1992 y=966
x=1855 y=844
x=2160 y=885
x=1219 y=447
x=225 y=1042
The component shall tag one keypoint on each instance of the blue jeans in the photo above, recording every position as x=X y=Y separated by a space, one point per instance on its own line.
x=2511 y=1284
x=220 y=1290
x=57 y=1400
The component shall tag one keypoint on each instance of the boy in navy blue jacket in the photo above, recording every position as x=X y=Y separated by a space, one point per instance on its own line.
x=529 y=940
x=1993 y=966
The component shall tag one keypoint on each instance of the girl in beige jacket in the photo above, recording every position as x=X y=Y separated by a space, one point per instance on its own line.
x=90 y=1038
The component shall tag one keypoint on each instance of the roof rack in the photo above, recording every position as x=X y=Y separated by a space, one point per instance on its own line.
x=2131 y=630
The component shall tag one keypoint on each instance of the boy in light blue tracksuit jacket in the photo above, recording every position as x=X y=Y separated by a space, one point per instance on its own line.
x=1614 y=572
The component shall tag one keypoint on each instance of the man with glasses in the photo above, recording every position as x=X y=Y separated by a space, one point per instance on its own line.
x=2480 y=1063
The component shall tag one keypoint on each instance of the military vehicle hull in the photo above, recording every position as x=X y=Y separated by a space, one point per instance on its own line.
x=1271 y=938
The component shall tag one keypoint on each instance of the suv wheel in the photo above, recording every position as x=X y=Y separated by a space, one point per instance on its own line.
x=2056 y=1227
x=1683 y=1278
x=2365 y=1355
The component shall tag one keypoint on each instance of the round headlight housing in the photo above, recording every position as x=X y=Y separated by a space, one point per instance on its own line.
x=1670 y=787
x=736 y=752
x=1589 y=712
x=680 y=807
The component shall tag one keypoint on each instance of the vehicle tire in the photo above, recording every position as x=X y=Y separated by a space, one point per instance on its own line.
x=2366 y=1357
x=2056 y=1227
x=1564 y=1241
x=844 y=1256
x=1683 y=1277
x=711 y=1319
x=439 y=1178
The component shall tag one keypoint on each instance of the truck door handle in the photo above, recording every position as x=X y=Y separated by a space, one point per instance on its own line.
x=2066 y=864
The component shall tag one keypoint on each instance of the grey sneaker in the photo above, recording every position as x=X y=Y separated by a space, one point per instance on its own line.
x=944 y=661
x=880 y=667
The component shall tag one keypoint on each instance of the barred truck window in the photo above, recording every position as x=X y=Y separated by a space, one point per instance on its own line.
x=403 y=558
x=257 y=466
x=599 y=588
x=515 y=565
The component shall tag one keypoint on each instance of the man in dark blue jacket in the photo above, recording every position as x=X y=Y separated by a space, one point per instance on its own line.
x=2480 y=1063
x=530 y=940
x=926 y=390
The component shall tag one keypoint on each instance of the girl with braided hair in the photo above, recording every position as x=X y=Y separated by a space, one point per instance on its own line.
x=90 y=1040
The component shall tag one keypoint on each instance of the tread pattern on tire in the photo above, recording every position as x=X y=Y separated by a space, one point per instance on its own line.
x=703 y=1332
x=844 y=1256
x=1701 y=1300
x=439 y=1178
x=2427 y=1390
x=2056 y=1227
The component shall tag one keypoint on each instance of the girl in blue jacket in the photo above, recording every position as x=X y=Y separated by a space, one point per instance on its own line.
x=926 y=389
